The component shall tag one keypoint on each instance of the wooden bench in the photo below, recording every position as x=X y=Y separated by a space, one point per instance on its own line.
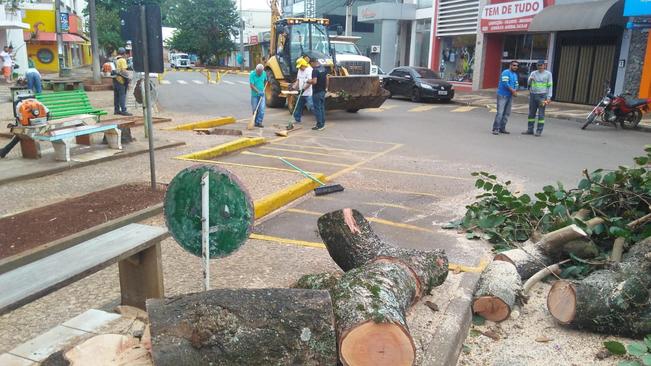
x=68 y=103
x=62 y=84
x=135 y=247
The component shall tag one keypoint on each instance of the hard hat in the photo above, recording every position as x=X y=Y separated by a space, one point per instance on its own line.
x=300 y=62
x=121 y=51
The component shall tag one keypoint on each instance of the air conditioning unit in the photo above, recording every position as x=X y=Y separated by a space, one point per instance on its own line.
x=375 y=49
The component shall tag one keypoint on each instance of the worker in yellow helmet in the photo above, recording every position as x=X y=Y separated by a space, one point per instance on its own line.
x=301 y=84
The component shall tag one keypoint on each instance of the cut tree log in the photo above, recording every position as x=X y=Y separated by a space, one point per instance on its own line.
x=352 y=243
x=318 y=281
x=498 y=289
x=109 y=350
x=244 y=327
x=553 y=269
x=613 y=301
x=532 y=257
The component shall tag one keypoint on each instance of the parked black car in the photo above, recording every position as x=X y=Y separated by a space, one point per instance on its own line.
x=417 y=83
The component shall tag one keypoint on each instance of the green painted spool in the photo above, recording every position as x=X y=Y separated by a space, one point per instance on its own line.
x=231 y=210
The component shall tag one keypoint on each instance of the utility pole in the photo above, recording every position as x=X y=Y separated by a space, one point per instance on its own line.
x=92 y=24
x=349 y=17
x=241 y=38
x=57 y=14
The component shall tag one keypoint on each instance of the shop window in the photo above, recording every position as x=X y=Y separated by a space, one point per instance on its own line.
x=360 y=27
x=527 y=49
x=423 y=41
x=422 y=4
x=457 y=57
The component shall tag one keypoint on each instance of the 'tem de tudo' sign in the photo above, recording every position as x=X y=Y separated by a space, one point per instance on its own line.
x=509 y=17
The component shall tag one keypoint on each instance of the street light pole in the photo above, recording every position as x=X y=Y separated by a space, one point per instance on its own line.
x=349 y=17
x=92 y=24
x=241 y=38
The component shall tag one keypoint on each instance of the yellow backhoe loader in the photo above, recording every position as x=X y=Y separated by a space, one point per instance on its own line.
x=292 y=38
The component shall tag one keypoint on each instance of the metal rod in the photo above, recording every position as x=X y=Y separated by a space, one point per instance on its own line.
x=145 y=65
x=205 y=229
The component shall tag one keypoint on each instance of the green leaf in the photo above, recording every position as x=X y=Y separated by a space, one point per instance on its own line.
x=478 y=320
x=541 y=196
x=559 y=195
x=599 y=229
x=584 y=184
x=471 y=236
x=488 y=186
x=647 y=341
x=615 y=347
x=610 y=178
x=628 y=363
x=474 y=174
x=618 y=231
x=641 y=160
x=559 y=210
x=525 y=199
x=636 y=349
x=646 y=359
x=479 y=183
x=577 y=259
x=548 y=189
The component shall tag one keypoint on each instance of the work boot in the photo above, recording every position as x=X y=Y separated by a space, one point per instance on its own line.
x=538 y=133
x=527 y=132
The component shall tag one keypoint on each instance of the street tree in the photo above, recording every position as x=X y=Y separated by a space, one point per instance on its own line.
x=204 y=27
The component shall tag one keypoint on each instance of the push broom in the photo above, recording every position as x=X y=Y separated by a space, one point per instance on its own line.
x=318 y=191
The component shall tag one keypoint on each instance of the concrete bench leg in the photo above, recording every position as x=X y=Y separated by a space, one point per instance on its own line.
x=114 y=138
x=141 y=277
x=61 y=150
x=30 y=149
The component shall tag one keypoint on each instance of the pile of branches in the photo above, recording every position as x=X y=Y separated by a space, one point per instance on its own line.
x=595 y=238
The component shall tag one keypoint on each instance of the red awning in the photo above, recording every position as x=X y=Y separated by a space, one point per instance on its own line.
x=52 y=37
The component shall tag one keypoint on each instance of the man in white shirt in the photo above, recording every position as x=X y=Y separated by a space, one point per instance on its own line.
x=301 y=84
x=7 y=64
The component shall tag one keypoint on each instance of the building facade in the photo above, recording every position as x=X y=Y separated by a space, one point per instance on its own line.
x=11 y=34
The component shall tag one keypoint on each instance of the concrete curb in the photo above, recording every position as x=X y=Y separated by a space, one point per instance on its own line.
x=278 y=199
x=202 y=124
x=222 y=149
x=23 y=258
x=641 y=127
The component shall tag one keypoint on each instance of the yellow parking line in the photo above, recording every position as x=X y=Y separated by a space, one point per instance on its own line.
x=311 y=244
x=326 y=148
x=423 y=108
x=463 y=109
x=380 y=204
x=401 y=192
x=346 y=139
x=300 y=151
x=367 y=160
x=246 y=152
x=416 y=173
x=263 y=167
x=370 y=219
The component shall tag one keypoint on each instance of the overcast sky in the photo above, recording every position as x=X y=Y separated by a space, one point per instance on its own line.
x=254 y=4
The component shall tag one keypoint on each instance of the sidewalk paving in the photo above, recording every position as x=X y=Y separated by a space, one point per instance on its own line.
x=568 y=111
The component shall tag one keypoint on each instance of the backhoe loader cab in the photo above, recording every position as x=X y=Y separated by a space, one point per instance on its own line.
x=298 y=38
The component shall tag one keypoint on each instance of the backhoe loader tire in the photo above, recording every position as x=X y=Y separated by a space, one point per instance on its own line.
x=272 y=92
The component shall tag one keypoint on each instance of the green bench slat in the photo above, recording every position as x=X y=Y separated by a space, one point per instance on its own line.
x=68 y=103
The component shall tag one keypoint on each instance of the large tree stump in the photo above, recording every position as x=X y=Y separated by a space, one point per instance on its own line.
x=498 y=289
x=244 y=327
x=613 y=301
x=532 y=257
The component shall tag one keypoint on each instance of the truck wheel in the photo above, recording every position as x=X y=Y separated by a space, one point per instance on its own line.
x=272 y=92
x=415 y=95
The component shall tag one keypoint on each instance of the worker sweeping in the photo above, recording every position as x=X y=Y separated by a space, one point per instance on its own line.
x=305 y=97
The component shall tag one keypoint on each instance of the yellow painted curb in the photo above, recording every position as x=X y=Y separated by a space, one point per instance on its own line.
x=278 y=199
x=203 y=124
x=224 y=148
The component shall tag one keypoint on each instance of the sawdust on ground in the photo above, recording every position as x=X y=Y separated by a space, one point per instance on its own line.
x=533 y=338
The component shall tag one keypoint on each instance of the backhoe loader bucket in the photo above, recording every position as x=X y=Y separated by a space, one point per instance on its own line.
x=355 y=92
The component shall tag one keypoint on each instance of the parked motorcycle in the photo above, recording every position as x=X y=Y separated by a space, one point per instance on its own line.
x=622 y=109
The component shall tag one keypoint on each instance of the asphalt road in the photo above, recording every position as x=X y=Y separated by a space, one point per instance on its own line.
x=437 y=132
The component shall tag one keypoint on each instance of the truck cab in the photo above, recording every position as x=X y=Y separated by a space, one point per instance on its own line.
x=180 y=61
x=350 y=57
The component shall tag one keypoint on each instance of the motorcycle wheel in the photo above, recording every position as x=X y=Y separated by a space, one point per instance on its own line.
x=589 y=120
x=631 y=121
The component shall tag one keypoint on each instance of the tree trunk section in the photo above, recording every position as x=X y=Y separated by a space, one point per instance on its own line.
x=244 y=327
x=351 y=243
x=318 y=281
x=370 y=304
x=527 y=260
x=498 y=289
x=613 y=301
x=554 y=269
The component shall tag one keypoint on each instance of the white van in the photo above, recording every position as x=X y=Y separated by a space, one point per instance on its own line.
x=180 y=61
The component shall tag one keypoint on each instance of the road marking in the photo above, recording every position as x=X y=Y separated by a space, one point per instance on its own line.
x=416 y=174
x=243 y=82
x=423 y=108
x=326 y=148
x=463 y=109
x=228 y=82
x=165 y=82
x=388 y=190
x=300 y=152
x=371 y=219
x=263 y=167
x=352 y=139
x=379 y=204
x=365 y=161
x=246 y=152
x=197 y=81
x=181 y=81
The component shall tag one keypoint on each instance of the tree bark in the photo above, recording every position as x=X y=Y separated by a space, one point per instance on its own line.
x=318 y=281
x=244 y=327
x=553 y=269
x=532 y=257
x=351 y=243
x=498 y=289
x=613 y=301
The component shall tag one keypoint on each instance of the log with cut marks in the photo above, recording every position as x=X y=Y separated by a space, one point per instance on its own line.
x=613 y=301
x=498 y=289
x=244 y=327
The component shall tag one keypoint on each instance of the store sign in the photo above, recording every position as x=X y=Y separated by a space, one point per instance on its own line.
x=65 y=22
x=364 y=13
x=253 y=39
x=634 y=8
x=509 y=17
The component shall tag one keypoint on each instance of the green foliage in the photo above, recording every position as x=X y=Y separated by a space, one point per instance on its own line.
x=207 y=32
x=504 y=217
x=639 y=352
x=108 y=29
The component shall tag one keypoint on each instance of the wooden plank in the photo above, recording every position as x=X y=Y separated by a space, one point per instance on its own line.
x=142 y=279
x=39 y=278
x=32 y=255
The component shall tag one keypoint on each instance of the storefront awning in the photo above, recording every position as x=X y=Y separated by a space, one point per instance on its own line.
x=586 y=15
x=52 y=37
